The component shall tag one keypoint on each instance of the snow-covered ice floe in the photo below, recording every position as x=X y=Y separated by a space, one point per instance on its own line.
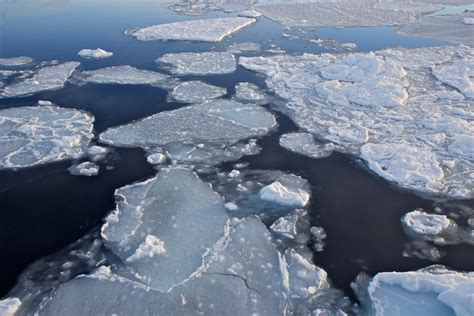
x=97 y=53
x=15 y=61
x=288 y=191
x=208 y=30
x=208 y=132
x=237 y=48
x=31 y=136
x=196 y=92
x=248 y=92
x=208 y=63
x=201 y=7
x=122 y=75
x=431 y=291
x=407 y=112
x=86 y=169
x=49 y=77
x=305 y=144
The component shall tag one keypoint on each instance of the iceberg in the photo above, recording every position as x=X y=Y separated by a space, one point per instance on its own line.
x=31 y=136
x=122 y=75
x=97 y=53
x=208 y=63
x=208 y=30
x=15 y=61
x=196 y=92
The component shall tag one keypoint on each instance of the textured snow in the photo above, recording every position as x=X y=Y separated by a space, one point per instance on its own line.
x=248 y=92
x=15 y=61
x=86 y=169
x=31 y=136
x=9 y=306
x=431 y=291
x=388 y=108
x=156 y=159
x=149 y=248
x=201 y=7
x=305 y=144
x=46 y=78
x=238 y=48
x=196 y=92
x=97 y=53
x=424 y=223
x=287 y=191
x=209 y=30
x=123 y=75
x=208 y=63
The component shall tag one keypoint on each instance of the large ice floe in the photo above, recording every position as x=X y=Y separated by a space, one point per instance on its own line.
x=122 y=75
x=31 y=136
x=48 y=77
x=196 y=92
x=208 y=30
x=406 y=112
x=209 y=132
x=208 y=63
x=431 y=291
x=15 y=61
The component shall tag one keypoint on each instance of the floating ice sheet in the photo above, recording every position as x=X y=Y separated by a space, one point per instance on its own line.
x=196 y=92
x=46 y=78
x=238 y=48
x=15 y=61
x=97 y=53
x=209 y=30
x=248 y=92
x=201 y=7
x=388 y=108
x=288 y=191
x=208 y=63
x=31 y=136
x=426 y=224
x=305 y=144
x=123 y=75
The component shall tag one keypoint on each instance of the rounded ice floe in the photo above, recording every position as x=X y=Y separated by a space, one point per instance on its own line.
x=15 y=61
x=196 y=92
x=426 y=224
x=305 y=144
x=123 y=75
x=209 y=30
x=9 y=306
x=97 y=53
x=46 y=78
x=288 y=191
x=208 y=63
x=86 y=169
x=31 y=136
x=156 y=159
x=248 y=92
x=97 y=153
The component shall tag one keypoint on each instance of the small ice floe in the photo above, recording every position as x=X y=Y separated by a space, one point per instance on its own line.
x=44 y=102
x=434 y=290
x=86 y=169
x=250 y=14
x=319 y=234
x=97 y=153
x=9 y=306
x=196 y=92
x=156 y=159
x=422 y=223
x=46 y=78
x=237 y=48
x=15 y=61
x=248 y=92
x=208 y=63
x=286 y=226
x=123 y=75
x=31 y=136
x=289 y=191
x=305 y=144
x=208 y=30
x=202 y=7
x=97 y=53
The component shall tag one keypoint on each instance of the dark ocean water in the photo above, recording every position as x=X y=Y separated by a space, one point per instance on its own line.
x=44 y=209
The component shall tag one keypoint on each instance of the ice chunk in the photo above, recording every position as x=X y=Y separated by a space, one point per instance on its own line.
x=459 y=75
x=305 y=144
x=87 y=169
x=209 y=30
x=97 y=153
x=31 y=136
x=431 y=291
x=156 y=159
x=250 y=14
x=175 y=207
x=9 y=306
x=15 y=61
x=468 y=21
x=97 y=53
x=208 y=63
x=196 y=92
x=46 y=78
x=44 y=102
x=288 y=191
x=201 y=7
x=237 y=48
x=463 y=146
x=123 y=75
x=285 y=226
x=424 y=223
x=248 y=92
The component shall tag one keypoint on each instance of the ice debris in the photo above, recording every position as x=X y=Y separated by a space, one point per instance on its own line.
x=97 y=53
x=208 y=30
x=426 y=224
x=9 y=306
x=122 y=75
x=156 y=159
x=305 y=144
x=288 y=190
x=15 y=61
x=196 y=92
x=208 y=63
x=86 y=169
x=31 y=136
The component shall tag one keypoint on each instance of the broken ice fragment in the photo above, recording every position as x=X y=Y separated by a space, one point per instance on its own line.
x=87 y=169
x=94 y=53
x=123 y=75
x=248 y=92
x=9 y=306
x=426 y=224
x=305 y=144
x=15 y=61
x=156 y=159
x=458 y=75
x=285 y=226
x=208 y=63
x=288 y=191
x=196 y=92
x=209 y=30
x=149 y=248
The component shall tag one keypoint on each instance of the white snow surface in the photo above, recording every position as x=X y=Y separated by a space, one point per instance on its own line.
x=196 y=92
x=287 y=191
x=123 y=75
x=387 y=108
x=15 y=61
x=424 y=223
x=248 y=92
x=31 y=136
x=207 y=63
x=208 y=30
x=97 y=53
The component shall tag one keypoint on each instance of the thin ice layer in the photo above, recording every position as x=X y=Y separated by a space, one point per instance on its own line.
x=15 y=61
x=209 y=30
x=31 y=136
x=248 y=92
x=46 y=78
x=208 y=63
x=196 y=92
x=175 y=217
x=388 y=108
x=122 y=75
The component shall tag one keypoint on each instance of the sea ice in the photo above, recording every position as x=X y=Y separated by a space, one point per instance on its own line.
x=208 y=63
x=15 y=61
x=156 y=159
x=201 y=7
x=97 y=53
x=86 y=169
x=426 y=224
x=9 y=306
x=248 y=92
x=196 y=92
x=209 y=30
x=31 y=136
x=46 y=78
x=97 y=153
x=285 y=226
x=238 y=48
x=288 y=190
x=386 y=107
x=305 y=144
x=123 y=75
